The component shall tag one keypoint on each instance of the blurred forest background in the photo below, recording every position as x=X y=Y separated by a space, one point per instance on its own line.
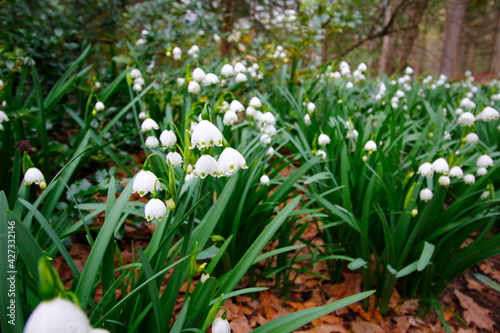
x=432 y=36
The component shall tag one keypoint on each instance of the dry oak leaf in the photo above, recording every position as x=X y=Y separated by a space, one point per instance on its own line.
x=326 y=329
x=475 y=313
x=366 y=327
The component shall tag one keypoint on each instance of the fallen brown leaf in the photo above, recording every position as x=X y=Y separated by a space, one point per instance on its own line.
x=475 y=313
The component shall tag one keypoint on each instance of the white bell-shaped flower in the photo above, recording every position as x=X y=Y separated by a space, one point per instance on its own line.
x=236 y=106
x=265 y=139
x=264 y=180
x=444 y=180
x=177 y=53
x=255 y=102
x=466 y=119
x=168 y=138
x=488 y=114
x=198 y=74
x=194 y=87
x=3 y=116
x=426 y=194
x=206 y=165
x=33 y=175
x=99 y=106
x=321 y=153
x=456 y=171
x=484 y=161
x=270 y=151
x=469 y=179
x=227 y=70
x=270 y=129
x=481 y=172
x=211 y=79
x=144 y=183
x=206 y=134
x=220 y=325
x=268 y=118
x=471 y=138
x=307 y=119
x=250 y=111
x=371 y=146
x=485 y=195
x=59 y=315
x=324 y=139
x=174 y=158
x=240 y=77
x=155 y=209
x=426 y=169
x=467 y=103
x=239 y=68
x=440 y=166
x=311 y=107
x=230 y=118
x=135 y=73
x=152 y=142
x=149 y=124
x=230 y=161
x=362 y=67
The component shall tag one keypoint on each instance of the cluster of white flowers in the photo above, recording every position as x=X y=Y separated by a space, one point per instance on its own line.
x=138 y=82
x=194 y=51
x=279 y=52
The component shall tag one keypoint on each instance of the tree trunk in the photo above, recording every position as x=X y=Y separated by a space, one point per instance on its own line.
x=386 y=43
x=455 y=11
x=228 y=23
x=494 y=64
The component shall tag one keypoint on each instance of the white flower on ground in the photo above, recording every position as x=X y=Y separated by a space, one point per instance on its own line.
x=307 y=119
x=194 y=87
x=466 y=119
x=240 y=77
x=488 y=114
x=230 y=118
x=426 y=169
x=371 y=146
x=255 y=103
x=426 y=194
x=174 y=158
x=230 y=161
x=236 y=106
x=33 y=175
x=444 y=180
x=144 y=183
x=99 y=106
x=206 y=165
x=472 y=138
x=149 y=124
x=227 y=70
x=221 y=326
x=155 y=209
x=440 y=166
x=311 y=107
x=321 y=153
x=198 y=74
x=264 y=180
x=135 y=73
x=265 y=139
x=168 y=138
x=152 y=142
x=484 y=161
x=177 y=53
x=481 y=172
x=59 y=315
x=456 y=171
x=469 y=179
x=485 y=195
x=324 y=139
x=206 y=134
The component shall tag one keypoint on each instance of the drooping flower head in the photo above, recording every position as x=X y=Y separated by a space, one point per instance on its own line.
x=221 y=326
x=440 y=166
x=149 y=124
x=426 y=194
x=456 y=171
x=152 y=142
x=426 y=169
x=484 y=161
x=206 y=134
x=174 y=158
x=206 y=165
x=144 y=183
x=324 y=139
x=33 y=175
x=371 y=146
x=168 y=138
x=155 y=209
x=230 y=161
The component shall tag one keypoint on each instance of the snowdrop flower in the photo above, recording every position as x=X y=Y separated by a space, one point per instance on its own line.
x=137 y=87
x=206 y=134
x=221 y=326
x=193 y=51
x=488 y=114
x=211 y=78
x=270 y=129
x=33 y=175
x=311 y=107
x=352 y=134
x=59 y=315
x=307 y=119
x=349 y=85
x=444 y=180
x=206 y=165
x=264 y=180
x=400 y=94
x=168 y=138
x=135 y=73
x=3 y=117
x=139 y=81
x=174 y=158
x=250 y=111
x=144 y=183
x=426 y=194
x=426 y=169
x=321 y=153
x=265 y=139
x=362 y=67
x=268 y=118
x=469 y=179
x=230 y=118
x=440 y=166
x=324 y=139
x=466 y=119
x=484 y=161
x=177 y=53
x=152 y=142
x=194 y=87
x=467 y=103
x=198 y=74
x=239 y=68
x=456 y=171
x=149 y=124
x=472 y=138
x=230 y=161
x=155 y=209
x=481 y=172
x=236 y=106
x=485 y=195
x=409 y=70
x=181 y=81
x=371 y=146
x=255 y=103
x=227 y=70
x=204 y=277
x=459 y=111
x=99 y=106
x=240 y=77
